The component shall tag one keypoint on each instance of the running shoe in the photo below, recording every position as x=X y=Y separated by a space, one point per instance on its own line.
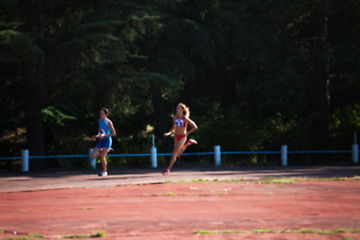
x=192 y=141
x=103 y=174
x=166 y=172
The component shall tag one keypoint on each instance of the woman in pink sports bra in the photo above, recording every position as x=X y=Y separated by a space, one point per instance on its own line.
x=179 y=128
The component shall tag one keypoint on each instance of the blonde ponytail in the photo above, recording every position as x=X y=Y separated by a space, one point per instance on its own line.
x=186 y=109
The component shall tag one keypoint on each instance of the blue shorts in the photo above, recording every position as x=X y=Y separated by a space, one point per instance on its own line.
x=104 y=143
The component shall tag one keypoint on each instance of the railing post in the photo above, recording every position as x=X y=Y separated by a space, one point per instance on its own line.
x=153 y=152
x=92 y=160
x=25 y=160
x=217 y=156
x=284 y=155
x=355 y=153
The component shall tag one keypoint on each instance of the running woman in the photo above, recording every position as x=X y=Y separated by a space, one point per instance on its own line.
x=106 y=131
x=180 y=123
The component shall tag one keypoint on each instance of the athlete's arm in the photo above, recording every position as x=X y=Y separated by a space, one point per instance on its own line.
x=112 y=130
x=193 y=125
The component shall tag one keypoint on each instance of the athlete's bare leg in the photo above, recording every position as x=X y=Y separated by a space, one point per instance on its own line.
x=96 y=153
x=178 y=144
x=182 y=149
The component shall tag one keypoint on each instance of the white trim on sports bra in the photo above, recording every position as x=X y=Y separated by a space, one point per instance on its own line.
x=180 y=122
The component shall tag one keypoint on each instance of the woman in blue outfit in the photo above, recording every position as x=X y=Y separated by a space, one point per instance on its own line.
x=103 y=146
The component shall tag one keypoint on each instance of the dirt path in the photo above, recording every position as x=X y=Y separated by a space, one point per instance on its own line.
x=178 y=210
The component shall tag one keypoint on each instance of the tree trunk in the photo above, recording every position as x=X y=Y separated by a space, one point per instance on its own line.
x=34 y=78
x=320 y=82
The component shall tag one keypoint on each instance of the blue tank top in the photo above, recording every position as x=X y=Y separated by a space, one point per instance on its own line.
x=104 y=127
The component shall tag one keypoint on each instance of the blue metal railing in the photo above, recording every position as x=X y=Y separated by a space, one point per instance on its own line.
x=9 y=158
x=184 y=154
x=153 y=155
x=320 y=151
x=252 y=152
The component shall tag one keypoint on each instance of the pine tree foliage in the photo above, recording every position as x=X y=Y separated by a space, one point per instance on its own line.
x=249 y=70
